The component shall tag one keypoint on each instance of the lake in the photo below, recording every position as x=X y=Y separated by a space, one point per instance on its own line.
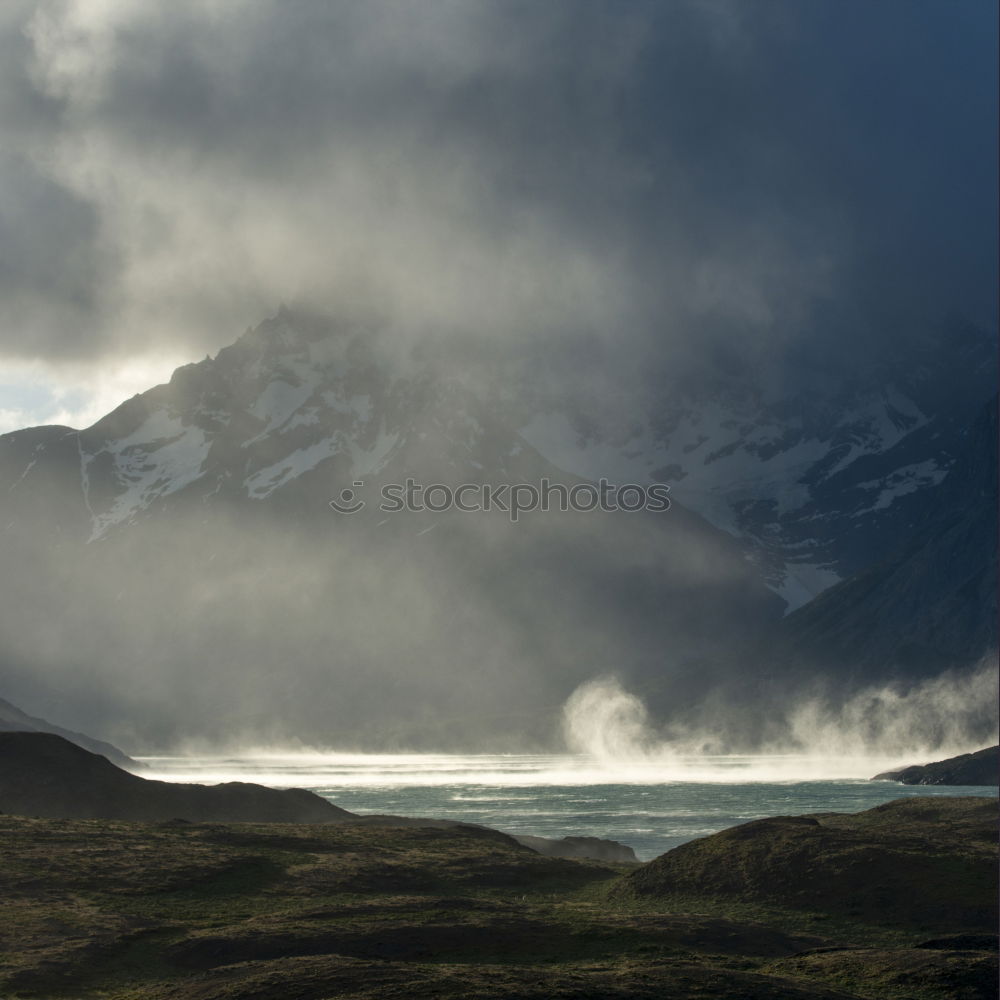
x=651 y=805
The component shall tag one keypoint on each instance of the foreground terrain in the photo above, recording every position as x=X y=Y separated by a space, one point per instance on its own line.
x=111 y=909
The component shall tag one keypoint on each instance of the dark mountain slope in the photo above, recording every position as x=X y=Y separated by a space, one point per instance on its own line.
x=932 y=605
x=44 y=775
x=12 y=719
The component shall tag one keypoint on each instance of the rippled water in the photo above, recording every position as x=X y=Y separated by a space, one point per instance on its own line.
x=650 y=805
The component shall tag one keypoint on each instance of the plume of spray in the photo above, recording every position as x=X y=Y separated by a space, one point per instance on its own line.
x=604 y=721
x=945 y=715
x=813 y=737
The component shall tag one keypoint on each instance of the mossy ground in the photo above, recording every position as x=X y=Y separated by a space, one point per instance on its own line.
x=113 y=910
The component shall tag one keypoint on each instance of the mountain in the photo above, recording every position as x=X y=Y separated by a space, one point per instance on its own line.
x=285 y=414
x=12 y=719
x=932 y=604
x=178 y=564
x=818 y=473
x=819 y=465
x=47 y=776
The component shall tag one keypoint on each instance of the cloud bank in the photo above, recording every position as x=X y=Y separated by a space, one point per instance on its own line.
x=631 y=185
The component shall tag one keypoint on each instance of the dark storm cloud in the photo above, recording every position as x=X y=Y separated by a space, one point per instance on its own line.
x=53 y=261
x=632 y=177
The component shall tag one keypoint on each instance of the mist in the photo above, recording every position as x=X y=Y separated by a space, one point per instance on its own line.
x=213 y=618
x=618 y=191
x=381 y=637
x=804 y=737
x=610 y=738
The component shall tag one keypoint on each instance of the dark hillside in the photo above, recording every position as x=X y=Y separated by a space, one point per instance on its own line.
x=44 y=775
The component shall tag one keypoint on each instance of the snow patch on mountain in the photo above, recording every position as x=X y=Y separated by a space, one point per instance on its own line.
x=752 y=467
x=279 y=400
x=308 y=417
x=160 y=457
x=265 y=481
x=708 y=466
x=801 y=582
x=364 y=462
x=901 y=482
x=371 y=461
x=359 y=407
x=553 y=435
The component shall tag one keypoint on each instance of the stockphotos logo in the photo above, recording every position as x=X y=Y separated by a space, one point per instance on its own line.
x=513 y=499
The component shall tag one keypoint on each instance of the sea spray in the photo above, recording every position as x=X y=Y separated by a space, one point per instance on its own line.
x=944 y=716
x=604 y=721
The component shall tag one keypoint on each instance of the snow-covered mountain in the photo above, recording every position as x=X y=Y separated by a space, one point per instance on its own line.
x=289 y=414
x=932 y=604
x=184 y=543
x=177 y=563
x=818 y=476
x=817 y=479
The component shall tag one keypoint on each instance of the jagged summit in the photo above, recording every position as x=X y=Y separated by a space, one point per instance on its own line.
x=294 y=405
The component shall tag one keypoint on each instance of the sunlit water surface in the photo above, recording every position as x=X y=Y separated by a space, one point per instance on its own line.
x=651 y=805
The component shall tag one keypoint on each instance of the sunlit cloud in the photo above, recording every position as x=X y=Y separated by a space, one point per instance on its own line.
x=74 y=395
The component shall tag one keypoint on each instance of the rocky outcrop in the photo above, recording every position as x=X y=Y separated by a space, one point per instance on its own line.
x=44 y=775
x=979 y=768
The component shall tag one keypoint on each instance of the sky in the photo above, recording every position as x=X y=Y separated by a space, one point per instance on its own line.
x=574 y=181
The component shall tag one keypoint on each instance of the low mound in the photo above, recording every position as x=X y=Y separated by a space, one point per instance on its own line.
x=44 y=775
x=949 y=975
x=586 y=848
x=922 y=862
x=595 y=848
x=979 y=768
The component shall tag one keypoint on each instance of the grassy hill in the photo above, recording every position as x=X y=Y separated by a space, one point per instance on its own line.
x=119 y=910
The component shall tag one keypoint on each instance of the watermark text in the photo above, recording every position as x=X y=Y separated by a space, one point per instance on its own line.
x=513 y=499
